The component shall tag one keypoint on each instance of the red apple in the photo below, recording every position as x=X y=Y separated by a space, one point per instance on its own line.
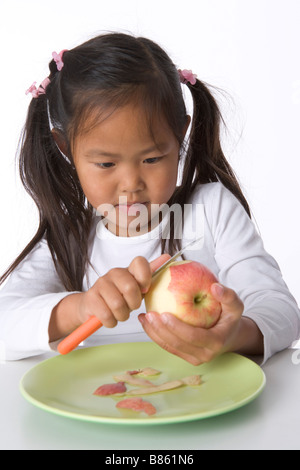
x=183 y=289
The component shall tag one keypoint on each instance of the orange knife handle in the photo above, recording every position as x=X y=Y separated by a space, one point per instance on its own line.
x=80 y=334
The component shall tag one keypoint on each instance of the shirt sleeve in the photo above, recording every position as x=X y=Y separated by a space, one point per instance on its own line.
x=246 y=267
x=26 y=303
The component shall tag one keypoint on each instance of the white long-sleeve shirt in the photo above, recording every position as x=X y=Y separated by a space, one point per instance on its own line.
x=229 y=246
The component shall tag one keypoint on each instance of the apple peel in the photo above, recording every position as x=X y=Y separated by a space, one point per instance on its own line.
x=137 y=404
x=110 y=389
x=192 y=380
x=132 y=379
x=146 y=372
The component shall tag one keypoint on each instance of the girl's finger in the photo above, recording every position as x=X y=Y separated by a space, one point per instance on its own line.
x=96 y=306
x=166 y=339
x=115 y=301
x=126 y=284
x=158 y=262
x=228 y=298
x=140 y=269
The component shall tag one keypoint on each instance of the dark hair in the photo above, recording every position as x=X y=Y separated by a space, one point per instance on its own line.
x=100 y=75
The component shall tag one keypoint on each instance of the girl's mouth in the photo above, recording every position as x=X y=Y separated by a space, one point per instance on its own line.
x=132 y=208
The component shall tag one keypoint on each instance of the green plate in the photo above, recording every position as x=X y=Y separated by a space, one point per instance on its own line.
x=65 y=384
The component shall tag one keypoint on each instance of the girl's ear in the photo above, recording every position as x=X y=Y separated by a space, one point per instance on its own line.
x=60 y=141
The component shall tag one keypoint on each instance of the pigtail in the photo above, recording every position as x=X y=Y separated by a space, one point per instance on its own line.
x=205 y=160
x=52 y=182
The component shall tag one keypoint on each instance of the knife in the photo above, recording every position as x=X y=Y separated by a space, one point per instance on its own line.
x=93 y=324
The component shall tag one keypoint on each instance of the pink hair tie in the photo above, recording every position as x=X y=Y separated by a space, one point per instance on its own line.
x=58 y=59
x=187 y=76
x=41 y=90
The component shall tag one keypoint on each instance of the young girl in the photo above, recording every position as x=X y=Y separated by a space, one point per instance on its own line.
x=105 y=136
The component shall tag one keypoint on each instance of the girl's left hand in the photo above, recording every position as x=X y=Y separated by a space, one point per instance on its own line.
x=198 y=345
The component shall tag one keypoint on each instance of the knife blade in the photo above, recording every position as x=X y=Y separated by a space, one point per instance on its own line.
x=179 y=253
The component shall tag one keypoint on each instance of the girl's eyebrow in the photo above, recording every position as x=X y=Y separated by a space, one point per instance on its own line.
x=103 y=153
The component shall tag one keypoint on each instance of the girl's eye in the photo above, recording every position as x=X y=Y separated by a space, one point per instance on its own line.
x=152 y=160
x=105 y=165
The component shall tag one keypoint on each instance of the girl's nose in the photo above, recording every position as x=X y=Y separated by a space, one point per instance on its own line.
x=132 y=181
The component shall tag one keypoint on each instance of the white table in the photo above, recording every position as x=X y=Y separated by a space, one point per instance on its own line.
x=272 y=421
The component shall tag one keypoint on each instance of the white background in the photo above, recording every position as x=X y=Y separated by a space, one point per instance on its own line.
x=248 y=48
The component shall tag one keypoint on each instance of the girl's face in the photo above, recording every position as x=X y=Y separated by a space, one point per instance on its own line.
x=125 y=172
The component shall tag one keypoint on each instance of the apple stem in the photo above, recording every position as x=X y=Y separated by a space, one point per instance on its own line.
x=199 y=298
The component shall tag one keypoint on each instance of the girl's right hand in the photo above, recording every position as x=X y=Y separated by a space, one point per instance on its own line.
x=118 y=292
